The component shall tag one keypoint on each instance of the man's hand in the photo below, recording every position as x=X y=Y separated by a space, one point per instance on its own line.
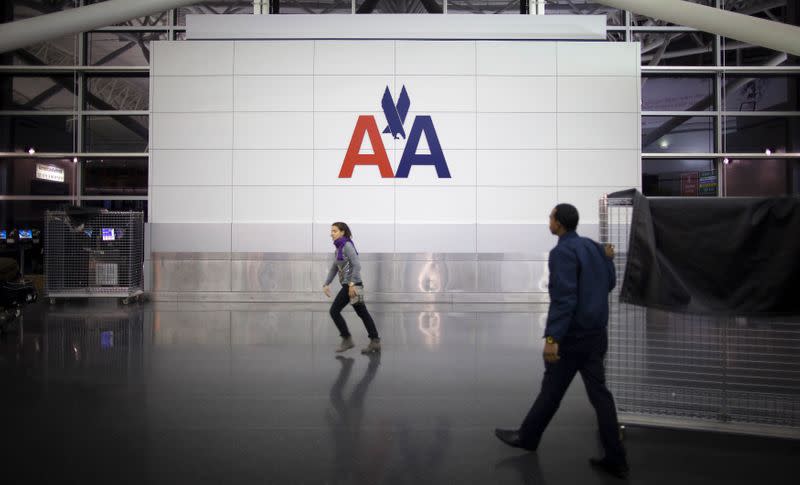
x=351 y=292
x=327 y=290
x=609 y=250
x=551 y=352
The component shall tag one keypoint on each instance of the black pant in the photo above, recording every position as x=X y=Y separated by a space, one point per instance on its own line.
x=341 y=301
x=585 y=355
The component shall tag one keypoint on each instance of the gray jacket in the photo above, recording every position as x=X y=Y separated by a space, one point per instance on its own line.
x=349 y=269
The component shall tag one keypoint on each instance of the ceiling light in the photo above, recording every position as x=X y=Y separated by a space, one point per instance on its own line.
x=726 y=161
x=768 y=151
x=31 y=151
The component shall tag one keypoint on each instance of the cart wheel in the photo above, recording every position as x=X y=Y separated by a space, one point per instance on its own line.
x=125 y=301
x=52 y=301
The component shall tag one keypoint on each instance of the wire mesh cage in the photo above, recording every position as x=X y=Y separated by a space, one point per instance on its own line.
x=96 y=255
x=679 y=370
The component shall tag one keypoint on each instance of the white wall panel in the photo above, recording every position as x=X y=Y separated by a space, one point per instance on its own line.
x=369 y=237
x=351 y=93
x=516 y=238
x=192 y=131
x=515 y=205
x=432 y=58
x=190 y=204
x=289 y=57
x=436 y=204
x=271 y=238
x=437 y=93
x=586 y=200
x=353 y=57
x=334 y=130
x=328 y=164
x=272 y=204
x=460 y=163
x=273 y=167
x=517 y=94
x=598 y=167
x=504 y=131
x=581 y=94
x=190 y=167
x=191 y=94
x=200 y=237
x=273 y=93
x=516 y=167
x=454 y=130
x=273 y=130
x=596 y=131
x=516 y=58
x=598 y=59
x=356 y=204
x=191 y=58
x=435 y=238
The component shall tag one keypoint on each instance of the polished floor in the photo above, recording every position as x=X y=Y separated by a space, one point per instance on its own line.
x=190 y=393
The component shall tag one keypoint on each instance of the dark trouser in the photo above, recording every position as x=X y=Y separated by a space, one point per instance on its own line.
x=341 y=301
x=585 y=355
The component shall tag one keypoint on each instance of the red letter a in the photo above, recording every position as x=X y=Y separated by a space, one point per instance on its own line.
x=366 y=124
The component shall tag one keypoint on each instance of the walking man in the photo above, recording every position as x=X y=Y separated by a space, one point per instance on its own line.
x=576 y=339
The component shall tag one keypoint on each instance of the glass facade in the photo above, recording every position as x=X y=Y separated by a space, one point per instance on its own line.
x=715 y=110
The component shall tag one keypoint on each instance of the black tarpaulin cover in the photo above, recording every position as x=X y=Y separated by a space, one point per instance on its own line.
x=731 y=256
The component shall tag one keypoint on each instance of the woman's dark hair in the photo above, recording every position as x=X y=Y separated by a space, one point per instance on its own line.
x=567 y=216
x=344 y=228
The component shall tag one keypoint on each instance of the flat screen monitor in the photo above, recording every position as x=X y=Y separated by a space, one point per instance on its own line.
x=108 y=234
x=3 y=235
x=26 y=234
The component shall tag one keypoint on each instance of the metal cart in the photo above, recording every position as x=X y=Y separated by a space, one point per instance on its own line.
x=677 y=370
x=101 y=255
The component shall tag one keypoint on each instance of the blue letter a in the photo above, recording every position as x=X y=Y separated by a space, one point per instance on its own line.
x=410 y=155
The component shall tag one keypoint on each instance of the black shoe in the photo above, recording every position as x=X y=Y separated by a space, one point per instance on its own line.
x=511 y=438
x=619 y=470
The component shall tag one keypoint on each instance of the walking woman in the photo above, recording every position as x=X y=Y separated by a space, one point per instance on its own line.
x=348 y=267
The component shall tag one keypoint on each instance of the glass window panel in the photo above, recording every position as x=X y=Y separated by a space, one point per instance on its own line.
x=408 y=6
x=155 y=19
x=27 y=214
x=115 y=176
x=215 y=7
x=315 y=7
x=116 y=133
x=44 y=133
x=121 y=48
x=37 y=92
x=54 y=52
x=676 y=134
x=760 y=177
x=679 y=177
x=128 y=92
x=756 y=134
x=21 y=10
x=180 y=35
x=761 y=93
x=119 y=205
x=676 y=48
x=737 y=53
x=677 y=93
x=614 y=16
x=780 y=11
x=31 y=176
x=645 y=21
x=615 y=35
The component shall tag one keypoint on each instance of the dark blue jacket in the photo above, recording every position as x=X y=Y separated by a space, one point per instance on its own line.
x=581 y=276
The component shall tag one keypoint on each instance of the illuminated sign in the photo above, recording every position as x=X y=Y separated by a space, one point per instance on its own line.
x=49 y=172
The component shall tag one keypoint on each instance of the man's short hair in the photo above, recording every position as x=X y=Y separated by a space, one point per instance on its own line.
x=567 y=216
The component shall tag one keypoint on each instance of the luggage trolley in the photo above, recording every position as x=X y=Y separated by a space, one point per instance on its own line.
x=686 y=371
x=94 y=254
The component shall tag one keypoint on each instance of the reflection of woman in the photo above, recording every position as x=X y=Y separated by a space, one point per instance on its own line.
x=348 y=266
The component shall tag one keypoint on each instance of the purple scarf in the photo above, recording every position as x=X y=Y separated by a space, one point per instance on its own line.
x=339 y=243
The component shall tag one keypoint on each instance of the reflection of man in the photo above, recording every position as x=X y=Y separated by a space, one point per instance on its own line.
x=581 y=276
